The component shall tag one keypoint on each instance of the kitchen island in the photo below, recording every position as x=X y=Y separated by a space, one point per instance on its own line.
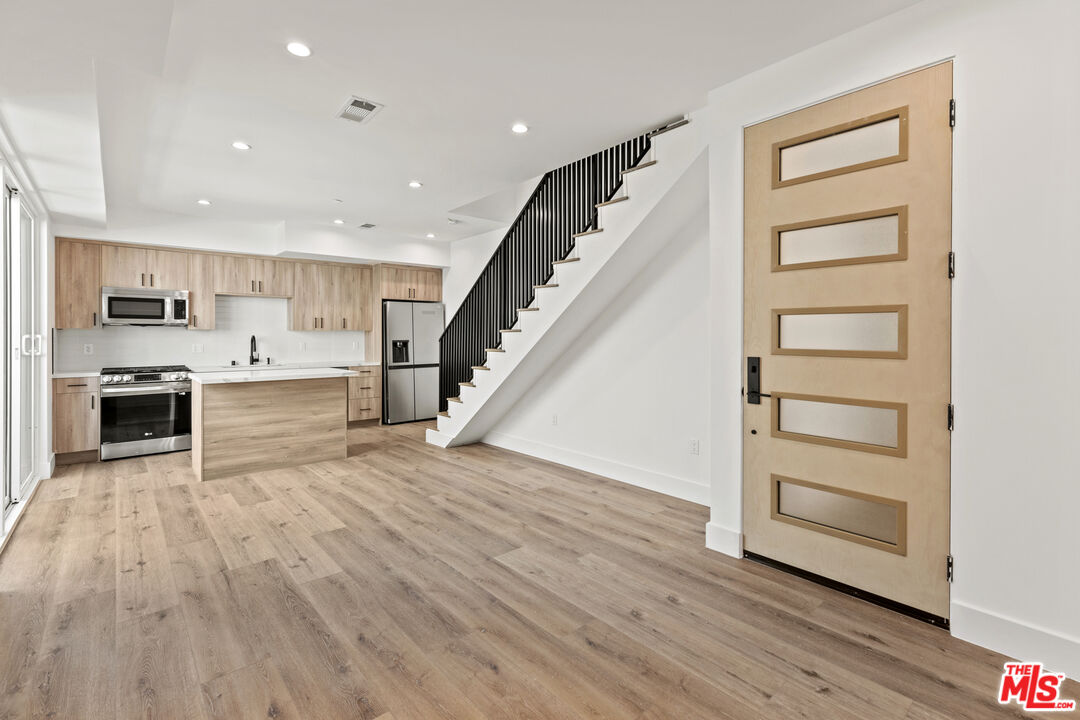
x=245 y=421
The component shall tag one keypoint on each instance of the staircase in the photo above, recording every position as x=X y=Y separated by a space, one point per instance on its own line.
x=582 y=236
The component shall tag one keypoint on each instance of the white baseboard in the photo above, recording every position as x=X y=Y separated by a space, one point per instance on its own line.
x=1058 y=652
x=724 y=540
x=657 y=482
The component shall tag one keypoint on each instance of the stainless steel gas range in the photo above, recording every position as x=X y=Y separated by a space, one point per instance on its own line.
x=145 y=410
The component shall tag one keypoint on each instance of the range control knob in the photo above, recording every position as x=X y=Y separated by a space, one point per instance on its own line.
x=106 y=378
x=127 y=378
x=176 y=376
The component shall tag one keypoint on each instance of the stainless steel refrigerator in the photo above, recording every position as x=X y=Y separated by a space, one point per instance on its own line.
x=411 y=333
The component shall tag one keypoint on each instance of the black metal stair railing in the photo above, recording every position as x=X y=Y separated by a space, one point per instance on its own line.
x=562 y=205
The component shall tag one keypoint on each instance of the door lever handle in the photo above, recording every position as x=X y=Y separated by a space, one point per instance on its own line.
x=753 y=381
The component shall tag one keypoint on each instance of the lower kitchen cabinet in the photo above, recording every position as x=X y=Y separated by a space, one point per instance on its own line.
x=76 y=414
x=365 y=393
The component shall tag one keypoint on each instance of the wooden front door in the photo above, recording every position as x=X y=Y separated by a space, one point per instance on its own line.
x=847 y=337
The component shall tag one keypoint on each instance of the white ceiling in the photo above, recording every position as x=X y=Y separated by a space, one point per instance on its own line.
x=123 y=111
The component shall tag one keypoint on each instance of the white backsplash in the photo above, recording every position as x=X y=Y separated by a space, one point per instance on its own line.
x=238 y=318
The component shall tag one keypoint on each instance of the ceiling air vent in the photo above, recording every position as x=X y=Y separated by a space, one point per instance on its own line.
x=359 y=110
x=367 y=226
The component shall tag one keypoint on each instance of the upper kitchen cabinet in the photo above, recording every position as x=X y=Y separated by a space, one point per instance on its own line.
x=134 y=267
x=400 y=282
x=274 y=277
x=243 y=275
x=352 y=290
x=311 y=284
x=201 y=268
x=78 y=284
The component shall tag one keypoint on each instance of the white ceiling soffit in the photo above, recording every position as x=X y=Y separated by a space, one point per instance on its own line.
x=132 y=105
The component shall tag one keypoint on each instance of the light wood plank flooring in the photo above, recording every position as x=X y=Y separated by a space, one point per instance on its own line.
x=410 y=582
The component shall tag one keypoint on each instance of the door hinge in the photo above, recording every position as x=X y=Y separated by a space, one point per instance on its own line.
x=948 y=568
x=952 y=415
x=952 y=112
x=952 y=264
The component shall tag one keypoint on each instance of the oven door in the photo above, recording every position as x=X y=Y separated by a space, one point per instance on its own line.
x=135 y=310
x=144 y=420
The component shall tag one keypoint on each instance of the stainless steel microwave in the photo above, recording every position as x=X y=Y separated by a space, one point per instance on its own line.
x=144 y=306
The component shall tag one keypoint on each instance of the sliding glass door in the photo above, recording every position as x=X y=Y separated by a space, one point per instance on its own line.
x=22 y=370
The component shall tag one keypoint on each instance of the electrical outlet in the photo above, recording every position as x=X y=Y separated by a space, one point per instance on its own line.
x=554 y=419
x=695 y=446
x=197 y=348
x=87 y=349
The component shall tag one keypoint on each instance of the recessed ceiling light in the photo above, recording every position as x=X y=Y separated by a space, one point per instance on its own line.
x=452 y=221
x=414 y=184
x=241 y=145
x=339 y=221
x=298 y=49
x=520 y=128
x=203 y=201
x=431 y=236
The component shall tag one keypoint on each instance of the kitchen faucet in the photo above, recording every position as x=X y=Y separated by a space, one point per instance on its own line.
x=253 y=358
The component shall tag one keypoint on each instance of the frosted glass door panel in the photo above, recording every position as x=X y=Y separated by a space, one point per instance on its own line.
x=863 y=424
x=871 y=334
x=877 y=237
x=837 y=510
x=842 y=150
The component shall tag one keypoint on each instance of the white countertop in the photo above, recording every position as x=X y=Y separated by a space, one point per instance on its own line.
x=268 y=374
x=89 y=372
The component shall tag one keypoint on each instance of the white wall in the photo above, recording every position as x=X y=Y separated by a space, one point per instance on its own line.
x=629 y=393
x=238 y=318
x=467 y=259
x=1015 y=469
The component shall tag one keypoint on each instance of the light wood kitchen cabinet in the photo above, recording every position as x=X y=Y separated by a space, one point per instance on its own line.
x=401 y=282
x=313 y=296
x=351 y=290
x=78 y=284
x=76 y=409
x=201 y=298
x=274 y=278
x=241 y=275
x=135 y=267
x=428 y=285
x=365 y=393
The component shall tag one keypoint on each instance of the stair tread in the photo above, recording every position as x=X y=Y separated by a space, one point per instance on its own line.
x=510 y=330
x=480 y=367
x=565 y=260
x=589 y=232
x=444 y=414
x=545 y=287
x=613 y=201
x=494 y=350
x=528 y=309
x=454 y=399
x=642 y=166
x=466 y=384
x=673 y=126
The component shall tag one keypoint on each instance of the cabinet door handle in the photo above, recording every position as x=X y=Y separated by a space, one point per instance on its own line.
x=260 y=286
x=151 y=279
x=194 y=321
x=142 y=281
x=91 y=402
x=78 y=384
x=93 y=322
x=342 y=323
x=252 y=286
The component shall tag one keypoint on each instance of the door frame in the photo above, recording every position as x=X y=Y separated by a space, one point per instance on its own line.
x=734 y=545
